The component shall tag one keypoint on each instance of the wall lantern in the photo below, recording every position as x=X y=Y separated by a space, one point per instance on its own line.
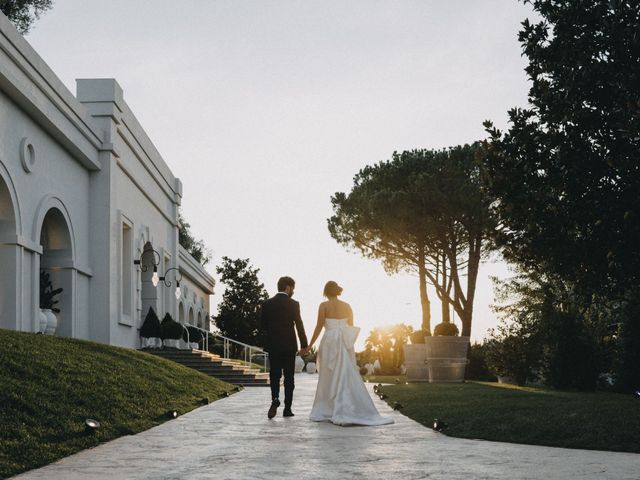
x=168 y=283
x=154 y=279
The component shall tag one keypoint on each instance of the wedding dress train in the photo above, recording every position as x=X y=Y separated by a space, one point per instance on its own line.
x=341 y=395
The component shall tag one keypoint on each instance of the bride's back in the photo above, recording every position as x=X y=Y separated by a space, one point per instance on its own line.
x=334 y=308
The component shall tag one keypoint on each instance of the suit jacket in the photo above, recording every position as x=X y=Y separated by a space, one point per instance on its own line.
x=280 y=319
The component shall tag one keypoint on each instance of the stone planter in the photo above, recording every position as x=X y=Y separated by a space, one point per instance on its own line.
x=52 y=321
x=299 y=365
x=414 y=361
x=42 y=321
x=152 y=342
x=311 y=367
x=171 y=343
x=446 y=358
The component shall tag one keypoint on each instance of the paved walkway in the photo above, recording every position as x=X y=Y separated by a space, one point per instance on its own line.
x=233 y=439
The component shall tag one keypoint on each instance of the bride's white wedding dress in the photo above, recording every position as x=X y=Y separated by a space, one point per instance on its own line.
x=341 y=395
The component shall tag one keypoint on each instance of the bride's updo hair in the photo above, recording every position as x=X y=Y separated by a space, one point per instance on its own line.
x=332 y=289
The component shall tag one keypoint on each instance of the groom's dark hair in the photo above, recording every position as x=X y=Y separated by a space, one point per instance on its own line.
x=285 y=282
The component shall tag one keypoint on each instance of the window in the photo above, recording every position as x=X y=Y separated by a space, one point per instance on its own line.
x=126 y=283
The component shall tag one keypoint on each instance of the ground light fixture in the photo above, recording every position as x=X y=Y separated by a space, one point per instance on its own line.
x=439 y=425
x=205 y=401
x=155 y=279
x=178 y=278
x=171 y=414
x=91 y=425
x=637 y=393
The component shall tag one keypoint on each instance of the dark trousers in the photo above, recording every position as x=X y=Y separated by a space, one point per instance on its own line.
x=280 y=364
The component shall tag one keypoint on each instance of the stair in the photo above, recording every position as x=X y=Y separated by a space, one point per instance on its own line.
x=228 y=370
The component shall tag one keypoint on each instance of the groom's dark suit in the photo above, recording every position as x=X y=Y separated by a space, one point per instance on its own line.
x=280 y=320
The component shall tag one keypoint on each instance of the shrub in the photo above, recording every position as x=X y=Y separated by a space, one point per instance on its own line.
x=47 y=293
x=151 y=326
x=417 y=337
x=170 y=329
x=477 y=368
x=195 y=335
x=446 y=329
x=627 y=359
x=512 y=351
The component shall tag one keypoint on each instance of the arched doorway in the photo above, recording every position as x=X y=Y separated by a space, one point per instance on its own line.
x=181 y=313
x=190 y=315
x=200 y=320
x=57 y=263
x=149 y=294
x=8 y=256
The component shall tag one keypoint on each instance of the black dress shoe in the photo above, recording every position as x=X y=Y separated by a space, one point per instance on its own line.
x=287 y=413
x=273 y=408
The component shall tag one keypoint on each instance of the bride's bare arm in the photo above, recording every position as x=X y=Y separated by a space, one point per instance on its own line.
x=350 y=317
x=319 y=325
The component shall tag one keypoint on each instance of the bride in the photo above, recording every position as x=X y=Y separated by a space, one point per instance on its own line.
x=341 y=396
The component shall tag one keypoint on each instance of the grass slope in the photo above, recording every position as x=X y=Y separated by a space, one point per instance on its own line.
x=537 y=416
x=50 y=385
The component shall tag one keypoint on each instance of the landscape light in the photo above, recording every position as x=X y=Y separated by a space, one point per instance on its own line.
x=205 y=401
x=397 y=406
x=171 y=414
x=91 y=425
x=637 y=394
x=439 y=425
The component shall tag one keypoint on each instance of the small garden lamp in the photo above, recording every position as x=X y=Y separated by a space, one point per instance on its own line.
x=91 y=425
x=155 y=278
x=168 y=283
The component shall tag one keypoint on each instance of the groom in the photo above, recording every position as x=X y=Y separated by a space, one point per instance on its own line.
x=279 y=316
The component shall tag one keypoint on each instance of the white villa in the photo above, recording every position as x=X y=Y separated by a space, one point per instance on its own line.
x=83 y=193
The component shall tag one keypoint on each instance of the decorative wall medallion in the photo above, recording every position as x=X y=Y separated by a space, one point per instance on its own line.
x=27 y=155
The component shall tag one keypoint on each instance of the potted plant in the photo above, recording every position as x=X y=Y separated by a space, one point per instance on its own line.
x=150 y=331
x=414 y=358
x=47 y=302
x=446 y=354
x=170 y=332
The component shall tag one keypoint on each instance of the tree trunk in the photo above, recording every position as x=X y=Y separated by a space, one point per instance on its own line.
x=424 y=297
x=446 y=318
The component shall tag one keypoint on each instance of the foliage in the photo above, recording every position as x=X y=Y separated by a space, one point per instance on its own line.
x=195 y=335
x=512 y=351
x=477 y=368
x=151 y=326
x=423 y=211
x=527 y=415
x=311 y=356
x=170 y=329
x=447 y=329
x=46 y=397
x=627 y=354
x=196 y=248
x=47 y=293
x=22 y=13
x=417 y=337
x=566 y=173
x=239 y=312
x=387 y=345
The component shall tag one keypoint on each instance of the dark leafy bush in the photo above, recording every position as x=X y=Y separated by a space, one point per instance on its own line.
x=47 y=292
x=195 y=335
x=151 y=326
x=477 y=368
x=170 y=329
x=512 y=351
x=446 y=329
x=417 y=337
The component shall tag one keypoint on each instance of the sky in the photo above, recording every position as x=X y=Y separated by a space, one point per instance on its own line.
x=265 y=108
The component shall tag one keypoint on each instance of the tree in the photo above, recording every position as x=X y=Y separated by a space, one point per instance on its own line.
x=424 y=211
x=387 y=345
x=565 y=174
x=239 y=312
x=196 y=248
x=22 y=13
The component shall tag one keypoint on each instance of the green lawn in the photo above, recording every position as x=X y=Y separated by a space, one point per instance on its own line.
x=537 y=416
x=50 y=385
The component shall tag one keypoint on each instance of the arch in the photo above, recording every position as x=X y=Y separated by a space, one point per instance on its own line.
x=55 y=237
x=11 y=276
x=190 y=316
x=10 y=219
x=181 y=312
x=199 y=324
x=47 y=204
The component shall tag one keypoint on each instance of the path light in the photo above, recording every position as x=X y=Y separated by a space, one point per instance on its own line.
x=637 y=394
x=205 y=401
x=168 y=283
x=91 y=425
x=397 y=406
x=439 y=425
x=171 y=414
x=154 y=278
x=383 y=396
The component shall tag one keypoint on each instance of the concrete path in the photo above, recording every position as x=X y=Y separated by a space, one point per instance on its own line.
x=233 y=439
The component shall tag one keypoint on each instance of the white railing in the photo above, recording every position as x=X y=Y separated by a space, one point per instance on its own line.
x=205 y=335
x=248 y=351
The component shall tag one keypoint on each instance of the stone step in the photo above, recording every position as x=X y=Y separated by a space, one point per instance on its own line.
x=213 y=365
